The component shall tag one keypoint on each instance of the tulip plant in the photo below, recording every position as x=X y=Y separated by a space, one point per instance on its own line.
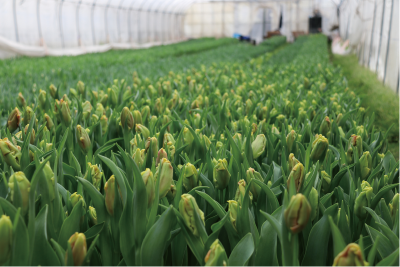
x=271 y=161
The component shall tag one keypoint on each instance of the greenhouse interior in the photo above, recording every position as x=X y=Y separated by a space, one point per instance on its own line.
x=199 y=132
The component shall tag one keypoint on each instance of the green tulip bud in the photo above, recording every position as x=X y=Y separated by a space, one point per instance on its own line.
x=127 y=119
x=77 y=242
x=113 y=97
x=188 y=207
x=137 y=117
x=24 y=187
x=341 y=132
x=171 y=149
x=83 y=139
x=240 y=192
x=326 y=181
x=145 y=112
x=141 y=129
x=42 y=99
x=258 y=145
x=103 y=99
x=11 y=154
x=297 y=174
x=75 y=198
x=87 y=109
x=325 y=127
x=103 y=124
x=190 y=178
x=221 y=174
x=96 y=175
x=81 y=87
x=14 y=120
x=165 y=173
x=139 y=157
x=313 y=198
x=394 y=206
x=350 y=256
x=365 y=165
x=187 y=139
x=171 y=193
x=292 y=161
x=216 y=256
x=49 y=176
x=297 y=213
x=73 y=92
x=161 y=154
x=100 y=111
x=360 y=203
x=254 y=188
x=290 y=139
x=149 y=183
x=53 y=91
x=109 y=191
x=27 y=115
x=152 y=122
x=233 y=212
x=21 y=100
x=154 y=146
x=369 y=191
x=65 y=113
x=6 y=238
x=168 y=138
x=33 y=135
x=49 y=122
x=274 y=130
x=349 y=156
x=356 y=141
x=319 y=148
x=93 y=215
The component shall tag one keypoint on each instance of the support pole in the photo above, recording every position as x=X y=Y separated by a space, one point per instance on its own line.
x=38 y=20
x=388 y=43
x=77 y=23
x=15 y=20
x=60 y=23
x=92 y=22
x=372 y=34
x=380 y=39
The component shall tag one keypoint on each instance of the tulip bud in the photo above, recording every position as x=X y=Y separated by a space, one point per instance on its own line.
x=171 y=193
x=187 y=139
x=109 y=191
x=274 y=130
x=11 y=154
x=6 y=238
x=127 y=119
x=360 y=203
x=161 y=154
x=49 y=122
x=365 y=165
x=78 y=247
x=188 y=207
x=139 y=157
x=42 y=99
x=149 y=183
x=75 y=198
x=93 y=215
x=141 y=129
x=14 y=120
x=350 y=256
x=326 y=181
x=297 y=174
x=81 y=87
x=341 y=132
x=83 y=139
x=28 y=113
x=325 y=127
x=313 y=198
x=154 y=146
x=394 y=206
x=216 y=256
x=33 y=135
x=297 y=213
x=366 y=187
x=165 y=173
x=290 y=139
x=191 y=177
x=53 y=91
x=254 y=188
x=103 y=99
x=171 y=149
x=104 y=124
x=240 y=192
x=221 y=174
x=65 y=113
x=49 y=176
x=100 y=111
x=24 y=187
x=319 y=148
x=21 y=100
x=233 y=212
x=356 y=141
x=137 y=117
x=73 y=92
x=96 y=175
x=113 y=97
x=292 y=161
x=168 y=138
x=258 y=145
x=87 y=109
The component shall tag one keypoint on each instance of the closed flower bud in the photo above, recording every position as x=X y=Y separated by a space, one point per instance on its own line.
x=187 y=139
x=350 y=256
x=96 y=175
x=104 y=124
x=139 y=157
x=349 y=156
x=33 y=135
x=109 y=190
x=103 y=99
x=191 y=177
x=87 y=109
x=319 y=148
x=165 y=173
x=83 y=139
x=145 y=112
x=100 y=111
x=49 y=176
x=325 y=127
x=341 y=132
x=152 y=122
x=171 y=149
x=11 y=154
x=240 y=192
x=77 y=242
x=149 y=183
x=21 y=102
x=65 y=113
x=53 y=91
x=290 y=140
x=14 y=120
x=113 y=97
x=297 y=213
x=127 y=119
x=254 y=188
x=297 y=174
x=137 y=117
x=152 y=144
x=274 y=130
x=93 y=215
x=75 y=198
x=161 y=154
x=339 y=118
x=394 y=206
x=326 y=181
x=168 y=138
x=356 y=141
x=42 y=99
x=28 y=113
x=24 y=187
x=233 y=212
x=6 y=238
x=366 y=187
x=141 y=129
x=171 y=193
x=365 y=165
x=49 y=122
x=221 y=174
x=188 y=207
x=258 y=145
x=292 y=161
x=81 y=87
x=216 y=256
x=313 y=198
x=360 y=203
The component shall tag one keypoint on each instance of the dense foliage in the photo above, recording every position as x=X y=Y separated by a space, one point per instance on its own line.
x=270 y=161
